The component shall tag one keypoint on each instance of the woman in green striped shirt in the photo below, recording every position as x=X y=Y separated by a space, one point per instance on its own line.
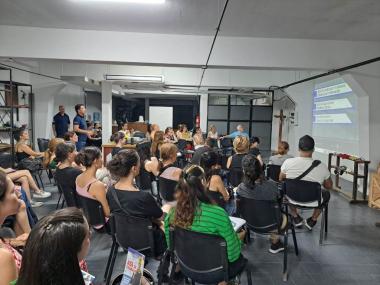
x=196 y=212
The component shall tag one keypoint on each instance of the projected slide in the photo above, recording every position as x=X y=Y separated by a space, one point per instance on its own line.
x=335 y=116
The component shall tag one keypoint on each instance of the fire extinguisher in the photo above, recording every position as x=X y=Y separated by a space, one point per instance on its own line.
x=197 y=121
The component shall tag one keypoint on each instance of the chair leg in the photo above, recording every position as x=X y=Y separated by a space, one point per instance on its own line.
x=162 y=266
x=109 y=259
x=322 y=227
x=294 y=239
x=249 y=277
x=59 y=200
x=112 y=264
x=326 y=219
x=285 y=265
x=172 y=274
x=63 y=203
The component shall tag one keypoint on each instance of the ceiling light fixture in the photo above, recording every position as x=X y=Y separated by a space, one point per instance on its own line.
x=125 y=1
x=135 y=78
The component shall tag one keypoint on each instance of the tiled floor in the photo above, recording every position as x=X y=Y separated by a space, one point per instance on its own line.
x=350 y=255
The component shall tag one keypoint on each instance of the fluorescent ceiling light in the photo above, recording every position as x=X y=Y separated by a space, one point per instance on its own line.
x=135 y=78
x=125 y=1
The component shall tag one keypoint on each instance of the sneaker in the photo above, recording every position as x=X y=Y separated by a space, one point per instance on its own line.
x=310 y=223
x=298 y=221
x=277 y=247
x=42 y=195
x=35 y=204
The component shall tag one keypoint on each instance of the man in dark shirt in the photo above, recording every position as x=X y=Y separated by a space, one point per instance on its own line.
x=80 y=126
x=61 y=122
x=254 y=148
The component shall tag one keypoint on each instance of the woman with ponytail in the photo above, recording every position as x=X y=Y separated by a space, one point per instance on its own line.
x=196 y=212
x=87 y=185
x=256 y=187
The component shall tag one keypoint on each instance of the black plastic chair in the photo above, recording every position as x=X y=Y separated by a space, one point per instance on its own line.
x=217 y=198
x=43 y=144
x=93 y=211
x=200 y=256
x=301 y=194
x=129 y=231
x=265 y=218
x=235 y=176
x=166 y=188
x=139 y=135
x=273 y=172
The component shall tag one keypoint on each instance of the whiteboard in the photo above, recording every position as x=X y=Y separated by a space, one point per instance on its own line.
x=162 y=116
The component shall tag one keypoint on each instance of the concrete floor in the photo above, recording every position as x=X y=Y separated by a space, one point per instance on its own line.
x=350 y=255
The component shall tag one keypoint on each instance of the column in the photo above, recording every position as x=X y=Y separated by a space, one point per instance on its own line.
x=106 y=111
x=203 y=106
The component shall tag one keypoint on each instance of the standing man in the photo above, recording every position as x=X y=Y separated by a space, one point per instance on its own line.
x=61 y=122
x=80 y=126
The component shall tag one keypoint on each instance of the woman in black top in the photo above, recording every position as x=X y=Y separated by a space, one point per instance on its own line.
x=66 y=174
x=23 y=150
x=256 y=187
x=234 y=162
x=215 y=186
x=119 y=139
x=125 y=166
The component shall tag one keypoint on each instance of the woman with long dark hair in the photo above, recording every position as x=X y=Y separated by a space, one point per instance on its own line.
x=158 y=140
x=54 y=248
x=125 y=197
x=196 y=212
x=87 y=185
x=215 y=185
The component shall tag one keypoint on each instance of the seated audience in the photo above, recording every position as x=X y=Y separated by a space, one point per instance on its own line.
x=294 y=167
x=254 y=148
x=25 y=179
x=54 y=247
x=10 y=258
x=126 y=166
x=166 y=167
x=158 y=140
x=65 y=173
x=282 y=154
x=199 y=149
x=125 y=130
x=255 y=186
x=119 y=139
x=183 y=133
x=239 y=132
x=87 y=185
x=153 y=129
x=198 y=133
x=170 y=136
x=148 y=163
x=214 y=184
x=22 y=149
x=196 y=212
x=49 y=155
x=212 y=133
x=241 y=147
x=71 y=137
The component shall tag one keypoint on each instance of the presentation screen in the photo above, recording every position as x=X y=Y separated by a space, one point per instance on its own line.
x=335 y=117
x=162 y=116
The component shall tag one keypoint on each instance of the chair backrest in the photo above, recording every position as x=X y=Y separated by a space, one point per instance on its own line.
x=134 y=232
x=273 y=172
x=217 y=198
x=139 y=134
x=200 y=255
x=262 y=216
x=226 y=143
x=43 y=144
x=144 y=180
x=93 y=211
x=70 y=195
x=302 y=191
x=181 y=144
x=236 y=176
x=166 y=187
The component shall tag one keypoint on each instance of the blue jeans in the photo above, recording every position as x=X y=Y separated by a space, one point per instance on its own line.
x=80 y=145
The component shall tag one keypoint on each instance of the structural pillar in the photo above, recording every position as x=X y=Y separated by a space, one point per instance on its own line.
x=106 y=111
x=203 y=107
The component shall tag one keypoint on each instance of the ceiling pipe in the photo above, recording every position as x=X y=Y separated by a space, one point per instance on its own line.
x=333 y=71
